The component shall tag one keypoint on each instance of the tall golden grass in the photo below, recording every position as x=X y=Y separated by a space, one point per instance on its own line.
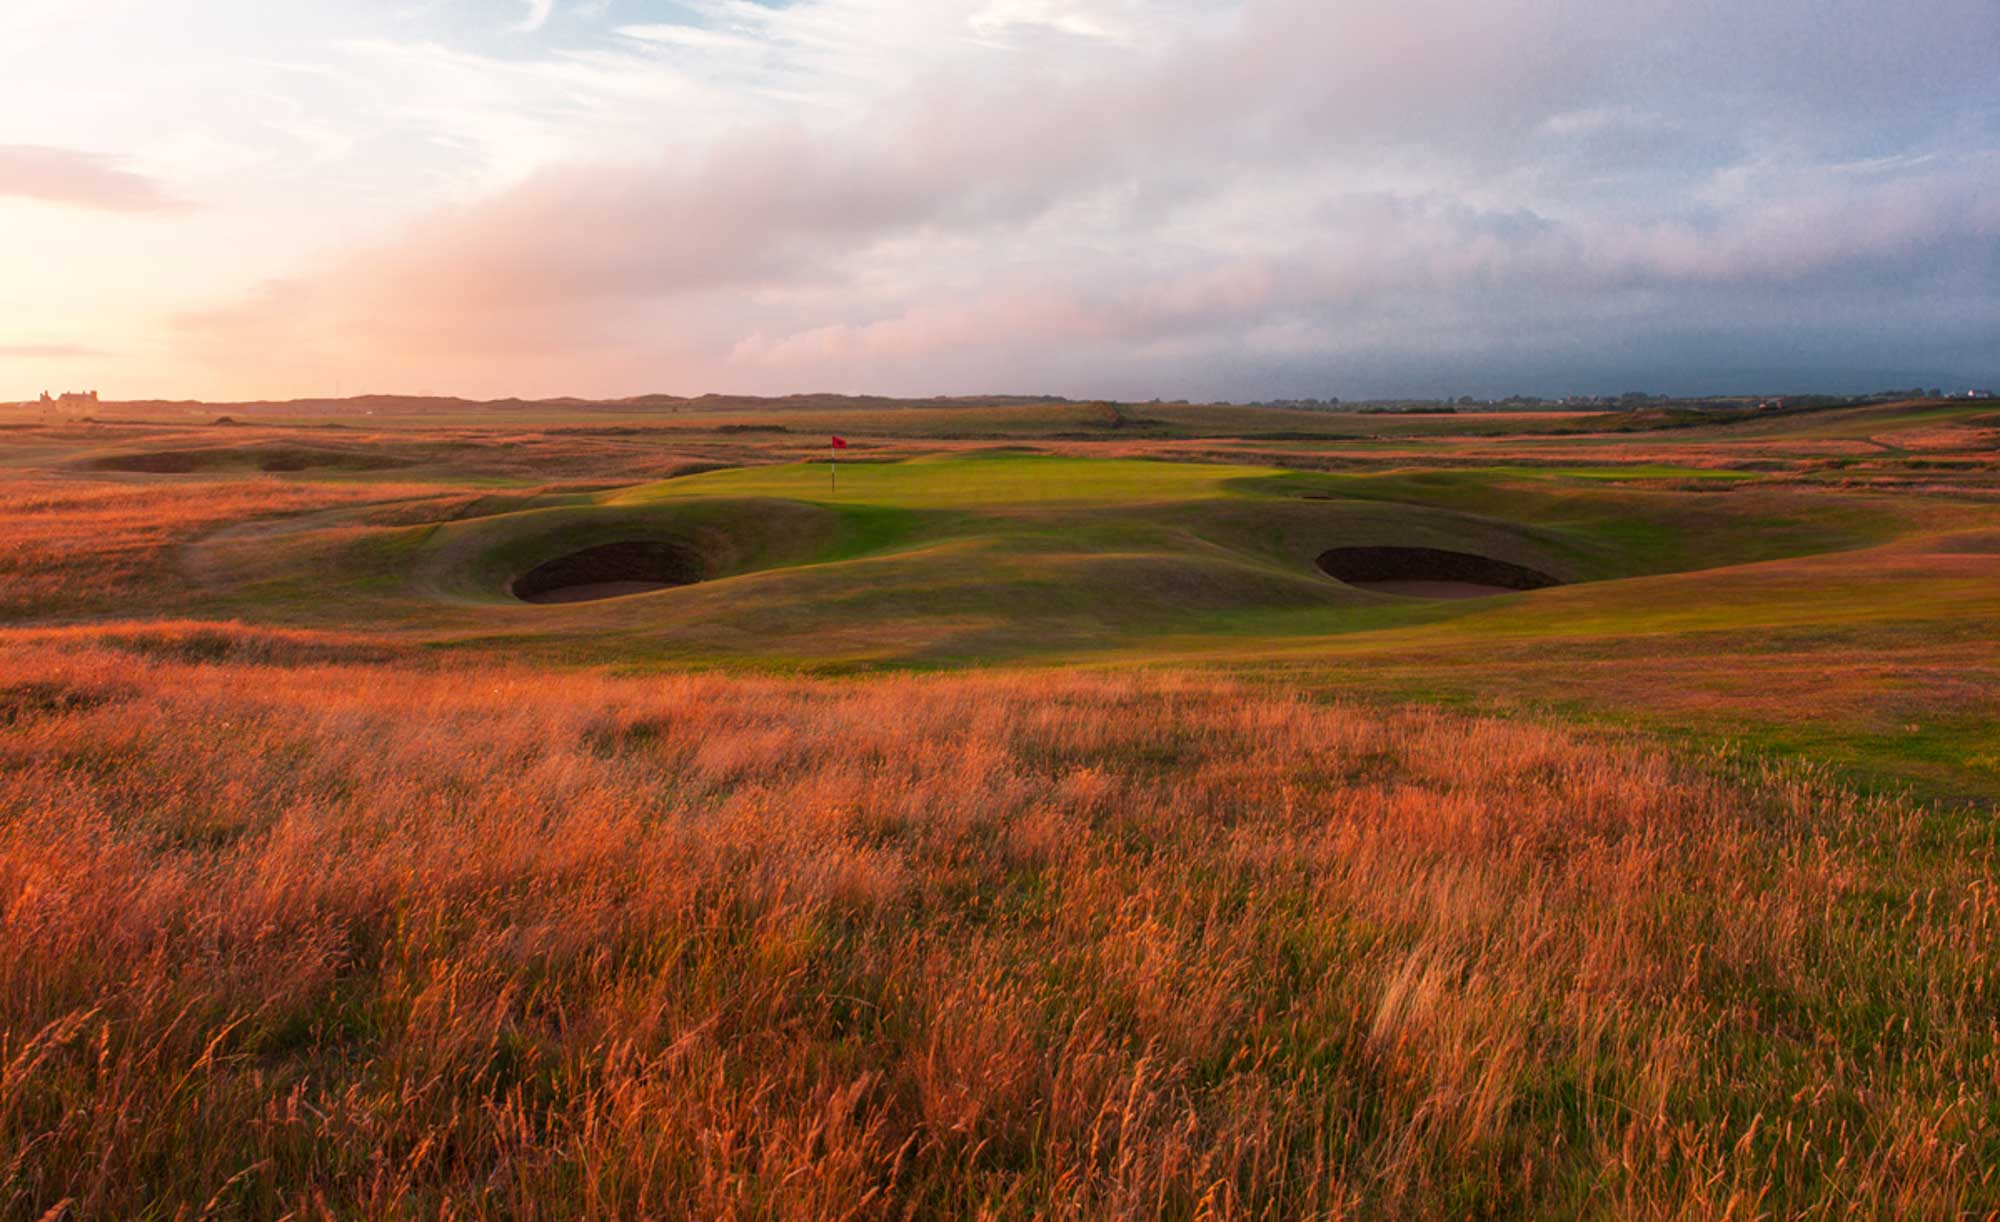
x=365 y=940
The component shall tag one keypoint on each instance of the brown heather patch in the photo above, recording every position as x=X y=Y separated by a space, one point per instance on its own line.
x=73 y=544
x=363 y=941
x=204 y=641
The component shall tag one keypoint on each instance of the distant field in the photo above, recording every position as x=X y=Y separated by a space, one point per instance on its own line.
x=1016 y=818
x=812 y=416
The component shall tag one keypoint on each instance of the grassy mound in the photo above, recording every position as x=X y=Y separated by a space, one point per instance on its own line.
x=961 y=559
x=672 y=542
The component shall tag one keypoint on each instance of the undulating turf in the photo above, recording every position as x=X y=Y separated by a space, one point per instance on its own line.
x=335 y=879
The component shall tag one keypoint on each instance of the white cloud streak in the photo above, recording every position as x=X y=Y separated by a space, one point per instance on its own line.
x=539 y=12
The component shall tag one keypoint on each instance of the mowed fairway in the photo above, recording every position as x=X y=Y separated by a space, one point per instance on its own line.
x=999 y=830
x=976 y=481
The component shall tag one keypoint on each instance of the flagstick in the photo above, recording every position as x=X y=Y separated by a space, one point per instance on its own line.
x=833 y=468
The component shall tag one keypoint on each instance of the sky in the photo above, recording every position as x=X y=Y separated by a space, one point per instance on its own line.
x=1206 y=199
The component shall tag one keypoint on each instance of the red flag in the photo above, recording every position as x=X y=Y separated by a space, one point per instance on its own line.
x=840 y=443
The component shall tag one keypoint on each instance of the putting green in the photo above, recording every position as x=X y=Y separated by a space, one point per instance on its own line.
x=985 y=481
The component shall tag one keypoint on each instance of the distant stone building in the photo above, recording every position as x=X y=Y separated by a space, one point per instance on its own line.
x=69 y=405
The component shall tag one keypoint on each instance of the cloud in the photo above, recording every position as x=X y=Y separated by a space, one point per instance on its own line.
x=1298 y=190
x=689 y=36
x=539 y=12
x=1076 y=18
x=79 y=180
x=47 y=352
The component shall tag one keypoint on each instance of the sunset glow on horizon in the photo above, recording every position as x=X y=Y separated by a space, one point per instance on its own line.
x=1121 y=198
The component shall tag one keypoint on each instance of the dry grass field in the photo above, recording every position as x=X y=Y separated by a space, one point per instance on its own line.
x=368 y=940
x=1007 y=835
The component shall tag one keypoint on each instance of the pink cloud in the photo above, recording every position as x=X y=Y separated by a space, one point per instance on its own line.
x=79 y=180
